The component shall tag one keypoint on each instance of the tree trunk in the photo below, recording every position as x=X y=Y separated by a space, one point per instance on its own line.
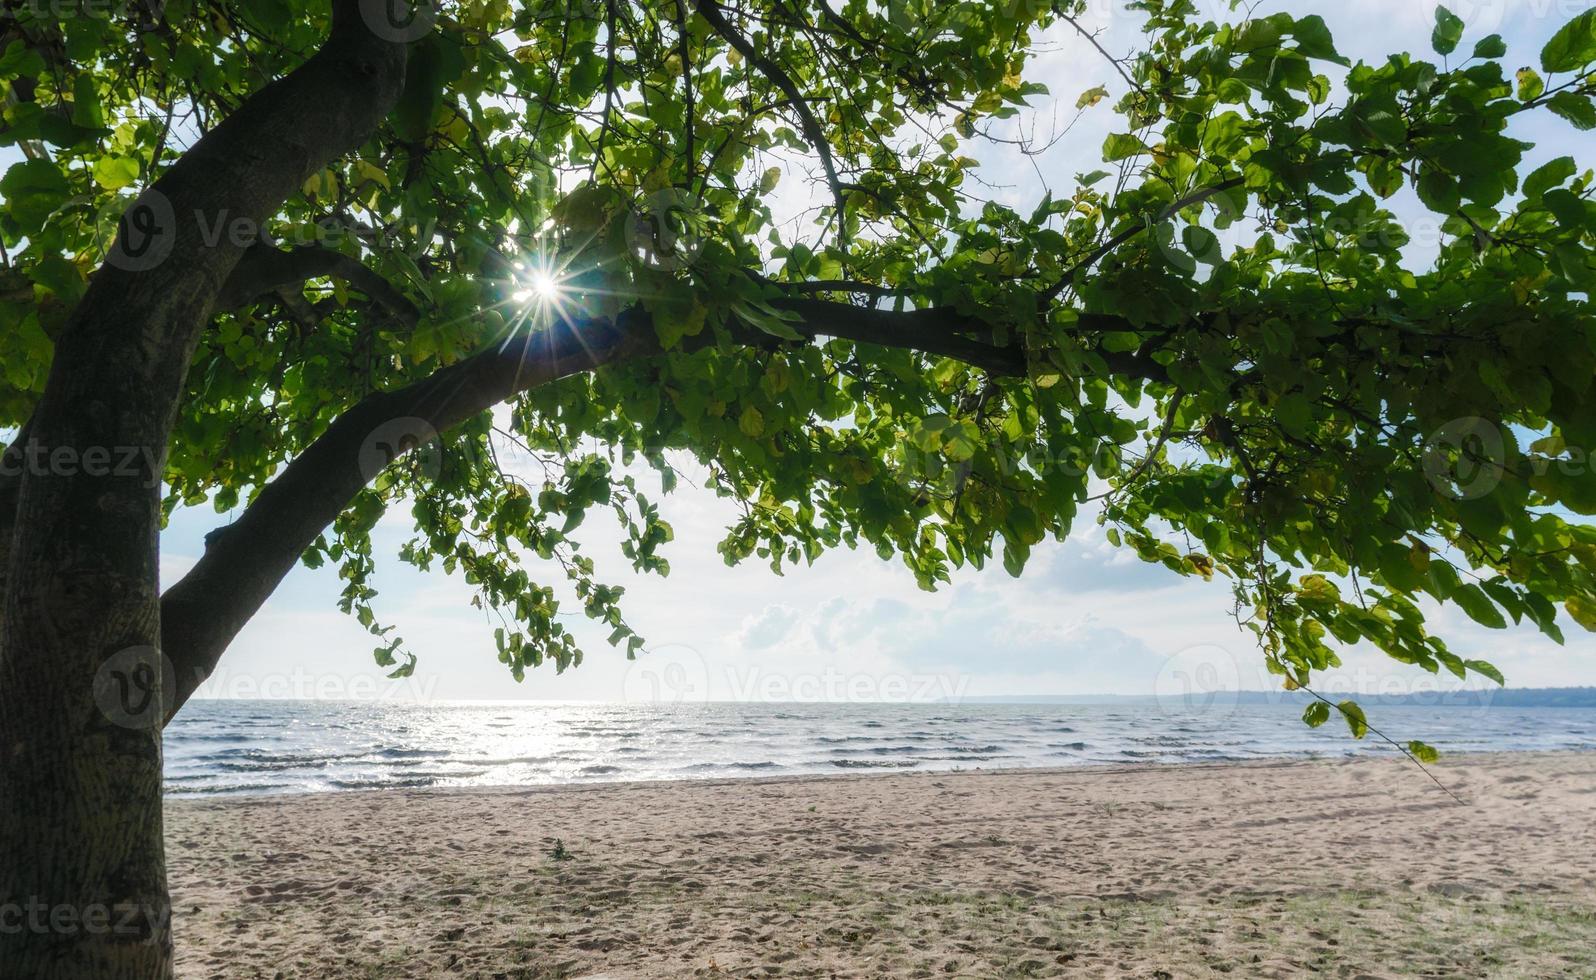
x=82 y=875
x=84 y=880
x=83 y=688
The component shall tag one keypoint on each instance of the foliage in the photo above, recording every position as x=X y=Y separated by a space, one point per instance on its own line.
x=1343 y=438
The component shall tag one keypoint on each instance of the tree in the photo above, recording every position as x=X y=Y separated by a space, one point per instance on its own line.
x=287 y=263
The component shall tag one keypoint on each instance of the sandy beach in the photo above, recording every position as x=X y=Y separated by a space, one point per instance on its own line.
x=1338 y=868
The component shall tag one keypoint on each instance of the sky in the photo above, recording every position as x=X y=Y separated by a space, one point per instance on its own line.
x=1084 y=619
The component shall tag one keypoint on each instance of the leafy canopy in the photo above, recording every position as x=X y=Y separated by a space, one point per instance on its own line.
x=1340 y=435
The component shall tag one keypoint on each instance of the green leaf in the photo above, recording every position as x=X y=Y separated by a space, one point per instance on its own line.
x=1547 y=176
x=1314 y=40
x=1485 y=669
x=1573 y=46
x=21 y=61
x=115 y=173
x=1121 y=146
x=1316 y=714
x=1294 y=412
x=766 y=318
x=959 y=441
x=33 y=190
x=1473 y=600
x=1423 y=752
x=1448 y=31
x=1577 y=109
x=1439 y=191
x=1490 y=47
x=1356 y=722
x=751 y=422
x=423 y=91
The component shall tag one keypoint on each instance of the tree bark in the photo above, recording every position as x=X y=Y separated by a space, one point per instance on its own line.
x=82 y=685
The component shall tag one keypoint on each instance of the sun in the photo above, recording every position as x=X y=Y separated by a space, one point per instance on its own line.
x=539 y=286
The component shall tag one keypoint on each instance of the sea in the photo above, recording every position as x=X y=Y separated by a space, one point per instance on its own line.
x=217 y=747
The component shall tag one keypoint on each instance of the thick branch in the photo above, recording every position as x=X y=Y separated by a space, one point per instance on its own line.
x=121 y=360
x=264 y=269
x=244 y=562
x=934 y=331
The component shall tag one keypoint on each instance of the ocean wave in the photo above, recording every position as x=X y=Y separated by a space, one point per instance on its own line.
x=875 y=763
x=226 y=748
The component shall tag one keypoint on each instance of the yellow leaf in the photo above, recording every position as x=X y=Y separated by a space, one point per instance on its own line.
x=321 y=185
x=1583 y=610
x=1091 y=97
x=656 y=180
x=585 y=209
x=366 y=170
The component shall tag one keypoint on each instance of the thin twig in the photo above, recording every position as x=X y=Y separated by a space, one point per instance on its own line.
x=1393 y=743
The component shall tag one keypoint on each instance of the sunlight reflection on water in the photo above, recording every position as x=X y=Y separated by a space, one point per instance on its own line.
x=314 y=746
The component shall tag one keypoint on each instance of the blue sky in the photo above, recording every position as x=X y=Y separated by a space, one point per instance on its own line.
x=1084 y=619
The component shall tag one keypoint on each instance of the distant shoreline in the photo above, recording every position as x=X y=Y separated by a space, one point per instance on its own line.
x=1508 y=697
x=1527 y=697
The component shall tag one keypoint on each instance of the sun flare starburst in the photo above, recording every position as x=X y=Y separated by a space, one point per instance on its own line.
x=538 y=286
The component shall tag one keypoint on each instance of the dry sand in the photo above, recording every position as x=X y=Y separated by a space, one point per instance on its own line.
x=1341 y=869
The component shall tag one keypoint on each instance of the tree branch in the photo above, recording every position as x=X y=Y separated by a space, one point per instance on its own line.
x=244 y=562
x=933 y=331
x=712 y=13
x=264 y=269
x=1198 y=197
x=121 y=360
